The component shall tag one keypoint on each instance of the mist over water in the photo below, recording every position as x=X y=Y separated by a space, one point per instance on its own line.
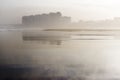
x=59 y=40
x=98 y=59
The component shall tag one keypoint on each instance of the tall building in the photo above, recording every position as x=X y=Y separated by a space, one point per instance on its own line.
x=51 y=19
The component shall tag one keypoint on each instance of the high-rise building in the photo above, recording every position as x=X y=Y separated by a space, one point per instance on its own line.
x=50 y=19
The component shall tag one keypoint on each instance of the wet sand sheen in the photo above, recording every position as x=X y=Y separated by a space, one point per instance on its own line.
x=94 y=54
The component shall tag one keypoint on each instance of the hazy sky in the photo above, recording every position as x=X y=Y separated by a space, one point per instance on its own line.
x=12 y=10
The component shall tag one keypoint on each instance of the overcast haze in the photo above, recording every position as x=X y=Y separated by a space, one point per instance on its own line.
x=11 y=11
x=50 y=47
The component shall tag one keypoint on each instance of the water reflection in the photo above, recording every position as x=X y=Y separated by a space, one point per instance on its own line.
x=71 y=60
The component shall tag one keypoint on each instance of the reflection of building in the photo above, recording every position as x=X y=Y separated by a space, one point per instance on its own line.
x=46 y=19
x=42 y=40
x=45 y=37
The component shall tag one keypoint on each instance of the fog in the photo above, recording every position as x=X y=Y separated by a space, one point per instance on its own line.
x=59 y=40
x=51 y=46
x=73 y=58
x=78 y=9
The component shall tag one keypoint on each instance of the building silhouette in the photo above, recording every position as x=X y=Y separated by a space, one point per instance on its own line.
x=50 y=19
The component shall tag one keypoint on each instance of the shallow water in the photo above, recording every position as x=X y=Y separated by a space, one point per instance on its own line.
x=73 y=59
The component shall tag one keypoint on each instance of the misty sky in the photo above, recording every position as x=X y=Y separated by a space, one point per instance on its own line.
x=12 y=10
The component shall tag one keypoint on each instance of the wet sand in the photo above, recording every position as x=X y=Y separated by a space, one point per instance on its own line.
x=73 y=60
